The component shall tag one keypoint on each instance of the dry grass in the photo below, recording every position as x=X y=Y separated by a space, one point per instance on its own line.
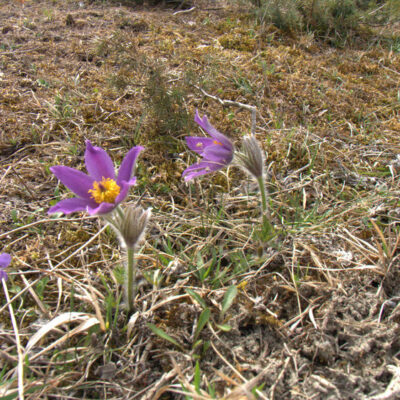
x=317 y=310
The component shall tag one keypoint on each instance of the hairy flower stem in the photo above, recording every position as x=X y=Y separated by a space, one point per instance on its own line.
x=261 y=184
x=266 y=224
x=131 y=275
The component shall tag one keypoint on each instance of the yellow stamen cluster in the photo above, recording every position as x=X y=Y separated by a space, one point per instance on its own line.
x=105 y=191
x=216 y=142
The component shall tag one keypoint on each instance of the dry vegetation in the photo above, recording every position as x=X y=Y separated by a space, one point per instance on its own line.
x=317 y=310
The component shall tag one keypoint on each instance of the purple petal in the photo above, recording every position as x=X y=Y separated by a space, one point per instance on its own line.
x=127 y=167
x=98 y=163
x=198 y=144
x=125 y=186
x=212 y=131
x=218 y=154
x=5 y=260
x=201 y=168
x=3 y=275
x=102 y=208
x=74 y=180
x=69 y=206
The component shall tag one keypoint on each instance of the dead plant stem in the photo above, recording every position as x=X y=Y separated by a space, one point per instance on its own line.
x=19 y=347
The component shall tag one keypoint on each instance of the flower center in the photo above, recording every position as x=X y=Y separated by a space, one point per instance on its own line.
x=105 y=191
x=216 y=142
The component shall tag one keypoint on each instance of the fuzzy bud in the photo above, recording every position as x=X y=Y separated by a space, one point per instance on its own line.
x=251 y=157
x=133 y=225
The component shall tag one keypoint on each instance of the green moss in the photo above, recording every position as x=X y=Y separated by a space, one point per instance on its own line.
x=238 y=42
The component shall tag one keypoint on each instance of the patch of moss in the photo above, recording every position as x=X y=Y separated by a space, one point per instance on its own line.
x=237 y=42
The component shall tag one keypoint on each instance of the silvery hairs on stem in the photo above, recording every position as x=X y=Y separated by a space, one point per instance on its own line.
x=133 y=225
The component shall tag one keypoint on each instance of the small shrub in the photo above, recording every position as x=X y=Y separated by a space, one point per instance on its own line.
x=333 y=17
x=165 y=103
x=284 y=14
x=327 y=19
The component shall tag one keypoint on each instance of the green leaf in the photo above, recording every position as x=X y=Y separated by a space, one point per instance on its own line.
x=116 y=313
x=164 y=335
x=196 y=344
x=257 y=389
x=230 y=295
x=197 y=377
x=224 y=327
x=206 y=346
x=203 y=319
x=196 y=297
x=119 y=274
x=211 y=390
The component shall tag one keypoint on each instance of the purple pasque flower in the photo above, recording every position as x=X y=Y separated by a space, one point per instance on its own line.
x=100 y=191
x=5 y=260
x=217 y=150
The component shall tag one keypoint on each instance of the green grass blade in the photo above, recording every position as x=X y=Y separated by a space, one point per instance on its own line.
x=159 y=332
x=197 y=377
x=203 y=319
x=196 y=297
x=224 y=327
x=230 y=295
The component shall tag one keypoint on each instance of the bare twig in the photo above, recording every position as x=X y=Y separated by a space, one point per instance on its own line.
x=184 y=11
x=226 y=103
x=22 y=182
x=273 y=387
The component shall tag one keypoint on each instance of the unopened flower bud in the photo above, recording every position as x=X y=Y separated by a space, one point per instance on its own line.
x=251 y=157
x=133 y=225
